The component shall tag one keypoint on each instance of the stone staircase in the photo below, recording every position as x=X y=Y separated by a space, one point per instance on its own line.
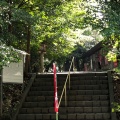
x=87 y=99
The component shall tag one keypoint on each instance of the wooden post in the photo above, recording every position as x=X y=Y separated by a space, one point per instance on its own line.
x=1 y=99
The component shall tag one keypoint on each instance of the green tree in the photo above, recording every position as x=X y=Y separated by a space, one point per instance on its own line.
x=56 y=20
x=15 y=26
x=25 y=24
x=104 y=16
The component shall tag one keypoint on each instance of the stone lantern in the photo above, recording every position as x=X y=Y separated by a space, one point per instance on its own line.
x=42 y=51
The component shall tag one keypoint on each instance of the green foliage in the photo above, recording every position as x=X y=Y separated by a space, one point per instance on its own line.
x=101 y=15
x=51 y=22
x=87 y=32
x=53 y=26
x=116 y=107
x=7 y=55
x=104 y=16
x=14 y=22
x=22 y=16
x=35 y=59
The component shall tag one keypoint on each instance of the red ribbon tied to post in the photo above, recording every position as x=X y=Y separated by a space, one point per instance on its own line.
x=55 y=89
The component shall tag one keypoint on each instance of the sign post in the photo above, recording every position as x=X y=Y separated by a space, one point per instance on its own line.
x=12 y=73
x=55 y=92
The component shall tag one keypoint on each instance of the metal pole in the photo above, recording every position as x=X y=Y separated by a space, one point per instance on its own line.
x=73 y=62
x=69 y=81
x=56 y=115
x=65 y=97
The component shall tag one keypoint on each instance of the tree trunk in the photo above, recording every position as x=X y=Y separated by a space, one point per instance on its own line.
x=10 y=24
x=27 y=62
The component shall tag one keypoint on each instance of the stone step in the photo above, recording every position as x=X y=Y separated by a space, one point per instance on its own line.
x=74 y=82
x=80 y=74
x=65 y=110
x=86 y=116
x=73 y=77
x=48 y=79
x=72 y=87
x=69 y=98
x=69 y=92
x=88 y=98
x=88 y=92
x=69 y=104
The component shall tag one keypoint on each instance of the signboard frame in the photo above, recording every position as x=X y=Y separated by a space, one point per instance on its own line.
x=13 y=72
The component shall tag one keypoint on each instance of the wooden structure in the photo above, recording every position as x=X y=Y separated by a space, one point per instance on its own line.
x=95 y=60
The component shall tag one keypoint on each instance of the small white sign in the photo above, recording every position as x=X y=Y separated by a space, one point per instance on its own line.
x=13 y=73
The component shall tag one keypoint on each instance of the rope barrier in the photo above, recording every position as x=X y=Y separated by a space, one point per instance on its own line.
x=64 y=88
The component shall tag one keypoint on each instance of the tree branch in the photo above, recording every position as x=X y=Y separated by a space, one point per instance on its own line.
x=21 y=4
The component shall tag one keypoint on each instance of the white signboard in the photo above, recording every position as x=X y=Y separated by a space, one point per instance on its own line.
x=13 y=73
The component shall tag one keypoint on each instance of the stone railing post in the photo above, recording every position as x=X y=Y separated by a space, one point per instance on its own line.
x=111 y=94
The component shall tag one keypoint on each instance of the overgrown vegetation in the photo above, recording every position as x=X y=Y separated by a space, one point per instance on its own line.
x=116 y=83
x=12 y=94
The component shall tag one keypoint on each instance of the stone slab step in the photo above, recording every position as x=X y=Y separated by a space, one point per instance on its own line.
x=71 y=92
x=69 y=98
x=65 y=110
x=41 y=93
x=88 y=92
x=73 y=77
x=74 y=82
x=69 y=104
x=89 y=116
x=77 y=87
x=73 y=87
x=73 y=74
x=59 y=79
